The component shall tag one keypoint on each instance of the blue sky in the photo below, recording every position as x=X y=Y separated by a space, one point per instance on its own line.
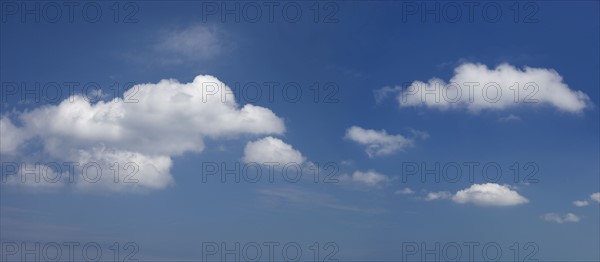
x=354 y=65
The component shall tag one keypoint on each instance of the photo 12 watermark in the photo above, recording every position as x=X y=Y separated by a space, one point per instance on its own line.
x=56 y=92
x=68 y=172
x=68 y=251
x=323 y=12
x=273 y=91
x=269 y=172
x=469 y=251
x=51 y=12
x=269 y=251
x=520 y=12
x=471 y=171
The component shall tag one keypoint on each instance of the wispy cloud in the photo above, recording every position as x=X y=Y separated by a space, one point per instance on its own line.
x=308 y=198
x=560 y=219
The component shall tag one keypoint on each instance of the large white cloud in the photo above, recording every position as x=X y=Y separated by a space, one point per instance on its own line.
x=168 y=119
x=477 y=87
x=489 y=194
x=271 y=150
x=378 y=142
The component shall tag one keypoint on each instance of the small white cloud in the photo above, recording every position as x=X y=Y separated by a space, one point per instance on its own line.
x=271 y=150
x=595 y=197
x=476 y=88
x=557 y=218
x=438 y=195
x=378 y=143
x=580 y=203
x=405 y=191
x=489 y=194
x=369 y=178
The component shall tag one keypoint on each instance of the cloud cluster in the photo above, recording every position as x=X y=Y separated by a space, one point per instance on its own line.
x=594 y=197
x=477 y=87
x=379 y=142
x=169 y=118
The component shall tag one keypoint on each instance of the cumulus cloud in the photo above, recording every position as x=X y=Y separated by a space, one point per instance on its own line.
x=379 y=142
x=557 y=218
x=169 y=118
x=489 y=194
x=580 y=203
x=271 y=150
x=477 y=87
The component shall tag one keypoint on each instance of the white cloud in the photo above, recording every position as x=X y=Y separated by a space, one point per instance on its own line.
x=370 y=178
x=476 y=87
x=168 y=119
x=489 y=194
x=557 y=218
x=580 y=203
x=271 y=150
x=379 y=143
x=438 y=195
x=595 y=197
x=404 y=191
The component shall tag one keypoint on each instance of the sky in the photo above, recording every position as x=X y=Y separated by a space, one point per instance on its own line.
x=300 y=131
